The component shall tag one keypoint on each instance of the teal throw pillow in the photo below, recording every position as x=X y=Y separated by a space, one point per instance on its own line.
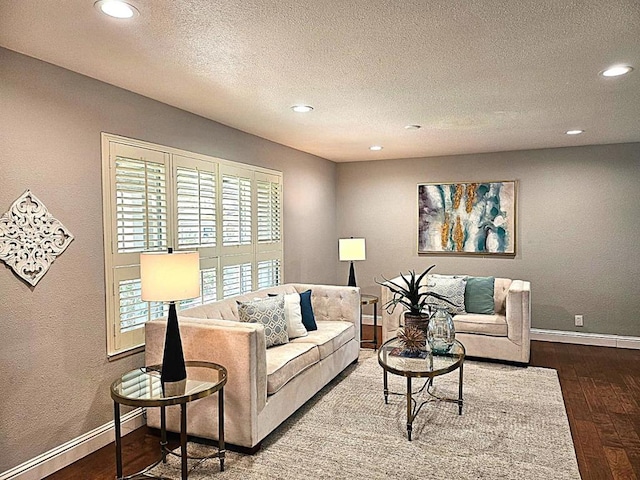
x=308 y=318
x=270 y=313
x=478 y=297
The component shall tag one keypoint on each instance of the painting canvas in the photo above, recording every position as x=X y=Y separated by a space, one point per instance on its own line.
x=475 y=218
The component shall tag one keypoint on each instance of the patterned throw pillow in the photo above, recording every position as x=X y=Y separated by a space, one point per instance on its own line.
x=270 y=313
x=452 y=288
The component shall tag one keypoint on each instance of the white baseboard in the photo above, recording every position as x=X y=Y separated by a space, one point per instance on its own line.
x=597 y=339
x=63 y=455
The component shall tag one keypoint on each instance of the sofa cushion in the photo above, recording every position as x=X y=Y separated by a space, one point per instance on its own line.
x=308 y=318
x=329 y=337
x=286 y=361
x=478 y=296
x=450 y=287
x=270 y=313
x=494 y=325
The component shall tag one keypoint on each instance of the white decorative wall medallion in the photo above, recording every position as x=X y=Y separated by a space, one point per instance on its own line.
x=31 y=238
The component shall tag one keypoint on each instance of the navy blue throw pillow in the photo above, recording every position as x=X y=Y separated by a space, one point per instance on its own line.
x=308 y=318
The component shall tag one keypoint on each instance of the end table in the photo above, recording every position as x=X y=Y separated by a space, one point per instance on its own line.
x=142 y=388
x=370 y=300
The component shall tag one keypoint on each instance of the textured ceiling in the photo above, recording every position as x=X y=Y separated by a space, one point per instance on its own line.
x=478 y=75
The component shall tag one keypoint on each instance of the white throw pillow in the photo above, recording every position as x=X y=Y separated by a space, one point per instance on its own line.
x=293 y=315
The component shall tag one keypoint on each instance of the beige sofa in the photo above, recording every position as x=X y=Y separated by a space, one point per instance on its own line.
x=265 y=385
x=502 y=336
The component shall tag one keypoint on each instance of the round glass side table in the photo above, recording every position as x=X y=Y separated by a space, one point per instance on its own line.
x=142 y=388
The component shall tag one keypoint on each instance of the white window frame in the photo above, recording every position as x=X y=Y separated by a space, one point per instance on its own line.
x=200 y=216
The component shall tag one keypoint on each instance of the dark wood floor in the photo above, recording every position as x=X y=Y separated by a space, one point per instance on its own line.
x=601 y=390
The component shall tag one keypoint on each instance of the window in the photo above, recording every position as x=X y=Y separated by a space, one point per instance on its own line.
x=156 y=197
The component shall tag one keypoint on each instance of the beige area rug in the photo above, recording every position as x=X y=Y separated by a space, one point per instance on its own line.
x=513 y=426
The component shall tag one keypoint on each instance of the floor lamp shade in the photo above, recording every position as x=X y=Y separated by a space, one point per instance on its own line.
x=170 y=277
x=350 y=250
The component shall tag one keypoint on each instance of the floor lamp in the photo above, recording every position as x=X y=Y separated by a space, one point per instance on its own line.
x=350 y=250
x=170 y=277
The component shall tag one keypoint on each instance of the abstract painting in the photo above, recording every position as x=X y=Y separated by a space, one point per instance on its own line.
x=477 y=218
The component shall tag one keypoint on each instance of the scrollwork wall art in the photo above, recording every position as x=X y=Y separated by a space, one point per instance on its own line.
x=31 y=238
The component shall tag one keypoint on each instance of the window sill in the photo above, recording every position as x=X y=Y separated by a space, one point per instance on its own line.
x=127 y=353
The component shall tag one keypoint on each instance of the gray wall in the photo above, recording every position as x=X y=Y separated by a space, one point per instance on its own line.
x=577 y=228
x=53 y=365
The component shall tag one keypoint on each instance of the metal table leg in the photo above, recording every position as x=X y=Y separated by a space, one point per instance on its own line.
x=116 y=421
x=386 y=386
x=375 y=326
x=409 y=409
x=183 y=440
x=221 y=447
x=460 y=400
x=163 y=434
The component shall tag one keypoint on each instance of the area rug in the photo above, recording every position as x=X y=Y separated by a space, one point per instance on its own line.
x=513 y=426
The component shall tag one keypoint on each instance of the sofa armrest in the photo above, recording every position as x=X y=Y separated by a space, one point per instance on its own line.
x=239 y=347
x=518 y=312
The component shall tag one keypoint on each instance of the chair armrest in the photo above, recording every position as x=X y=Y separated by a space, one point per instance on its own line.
x=237 y=346
x=518 y=312
x=390 y=321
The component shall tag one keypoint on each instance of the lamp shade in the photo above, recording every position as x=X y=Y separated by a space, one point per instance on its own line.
x=169 y=277
x=351 y=249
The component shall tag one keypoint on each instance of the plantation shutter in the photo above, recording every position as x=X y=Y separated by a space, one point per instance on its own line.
x=139 y=222
x=269 y=230
x=269 y=209
x=156 y=197
x=269 y=273
x=196 y=200
x=236 y=209
x=236 y=277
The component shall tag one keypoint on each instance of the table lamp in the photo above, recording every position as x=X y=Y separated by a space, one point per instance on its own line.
x=170 y=277
x=350 y=250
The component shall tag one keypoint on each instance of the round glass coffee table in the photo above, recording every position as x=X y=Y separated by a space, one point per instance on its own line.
x=394 y=359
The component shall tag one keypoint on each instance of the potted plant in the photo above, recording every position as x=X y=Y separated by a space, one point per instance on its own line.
x=415 y=297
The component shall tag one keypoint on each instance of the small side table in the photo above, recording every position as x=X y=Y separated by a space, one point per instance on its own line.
x=142 y=388
x=370 y=300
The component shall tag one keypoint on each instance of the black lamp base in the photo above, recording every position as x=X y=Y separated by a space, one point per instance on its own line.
x=352 y=276
x=173 y=368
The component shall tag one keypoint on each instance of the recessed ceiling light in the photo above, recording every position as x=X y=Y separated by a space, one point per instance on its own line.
x=302 y=108
x=412 y=127
x=574 y=132
x=116 y=8
x=375 y=148
x=616 y=71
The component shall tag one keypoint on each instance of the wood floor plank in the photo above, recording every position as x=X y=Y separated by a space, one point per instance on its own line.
x=607 y=431
x=619 y=464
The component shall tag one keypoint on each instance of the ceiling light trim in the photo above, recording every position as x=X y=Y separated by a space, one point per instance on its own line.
x=302 y=108
x=117 y=9
x=616 y=71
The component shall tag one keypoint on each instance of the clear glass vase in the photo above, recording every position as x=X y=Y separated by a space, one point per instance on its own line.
x=441 y=332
